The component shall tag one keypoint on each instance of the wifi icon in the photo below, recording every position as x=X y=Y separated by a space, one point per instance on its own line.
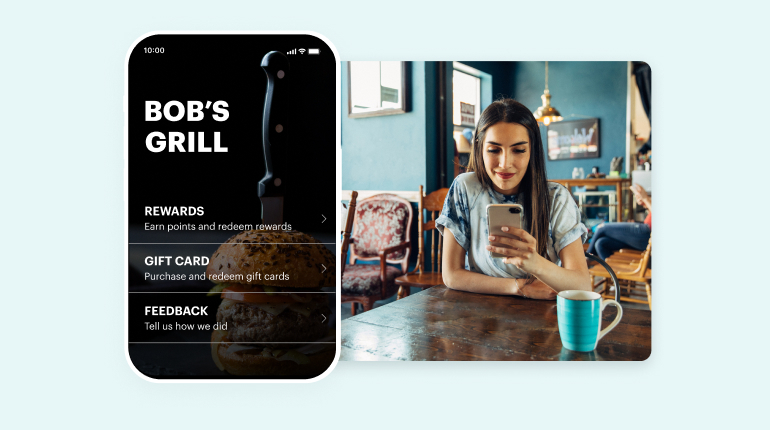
x=302 y=50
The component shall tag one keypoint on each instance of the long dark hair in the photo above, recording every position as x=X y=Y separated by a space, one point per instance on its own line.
x=534 y=185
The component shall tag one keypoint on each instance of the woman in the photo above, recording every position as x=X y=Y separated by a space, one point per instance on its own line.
x=507 y=165
x=610 y=237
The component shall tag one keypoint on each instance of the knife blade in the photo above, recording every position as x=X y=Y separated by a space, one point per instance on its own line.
x=271 y=187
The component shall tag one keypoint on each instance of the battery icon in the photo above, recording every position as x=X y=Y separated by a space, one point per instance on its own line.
x=314 y=51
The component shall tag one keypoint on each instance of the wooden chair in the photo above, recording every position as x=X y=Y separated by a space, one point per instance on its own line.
x=419 y=277
x=627 y=254
x=380 y=233
x=347 y=226
x=631 y=274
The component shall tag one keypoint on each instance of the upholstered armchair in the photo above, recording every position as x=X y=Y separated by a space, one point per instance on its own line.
x=380 y=233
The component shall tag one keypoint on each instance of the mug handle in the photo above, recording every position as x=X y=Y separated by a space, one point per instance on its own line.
x=617 y=318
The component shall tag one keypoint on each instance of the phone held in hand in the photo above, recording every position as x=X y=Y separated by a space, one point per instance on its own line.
x=499 y=216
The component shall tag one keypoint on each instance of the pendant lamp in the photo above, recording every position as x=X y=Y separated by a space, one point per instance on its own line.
x=547 y=113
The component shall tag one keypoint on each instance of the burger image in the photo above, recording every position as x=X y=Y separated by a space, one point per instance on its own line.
x=272 y=304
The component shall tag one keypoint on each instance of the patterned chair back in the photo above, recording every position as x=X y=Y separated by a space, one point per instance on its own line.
x=381 y=221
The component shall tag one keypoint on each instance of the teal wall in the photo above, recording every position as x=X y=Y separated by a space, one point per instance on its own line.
x=586 y=88
x=398 y=152
x=386 y=152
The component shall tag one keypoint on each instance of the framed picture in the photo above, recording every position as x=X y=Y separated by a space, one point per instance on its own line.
x=569 y=140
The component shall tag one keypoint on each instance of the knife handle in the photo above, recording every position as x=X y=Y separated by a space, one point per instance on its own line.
x=274 y=124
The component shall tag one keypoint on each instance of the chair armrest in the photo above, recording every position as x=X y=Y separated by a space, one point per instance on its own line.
x=387 y=251
x=383 y=262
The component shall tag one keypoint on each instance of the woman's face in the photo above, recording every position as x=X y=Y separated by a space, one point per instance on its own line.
x=506 y=156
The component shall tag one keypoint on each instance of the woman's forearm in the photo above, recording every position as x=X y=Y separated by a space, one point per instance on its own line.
x=465 y=280
x=457 y=278
x=561 y=279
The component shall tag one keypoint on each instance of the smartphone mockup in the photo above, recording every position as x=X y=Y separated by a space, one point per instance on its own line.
x=499 y=216
x=231 y=145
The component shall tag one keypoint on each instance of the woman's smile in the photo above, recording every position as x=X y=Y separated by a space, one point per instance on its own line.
x=505 y=176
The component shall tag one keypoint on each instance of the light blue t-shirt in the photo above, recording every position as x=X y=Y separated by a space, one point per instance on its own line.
x=464 y=214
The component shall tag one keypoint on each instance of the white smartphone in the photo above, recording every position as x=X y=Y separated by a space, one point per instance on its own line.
x=502 y=215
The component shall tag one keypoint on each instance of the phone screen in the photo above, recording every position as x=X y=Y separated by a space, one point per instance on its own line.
x=231 y=138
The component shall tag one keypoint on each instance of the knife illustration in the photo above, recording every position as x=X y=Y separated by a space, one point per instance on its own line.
x=271 y=187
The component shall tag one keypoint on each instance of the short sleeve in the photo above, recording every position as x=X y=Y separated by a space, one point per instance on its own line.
x=566 y=226
x=455 y=214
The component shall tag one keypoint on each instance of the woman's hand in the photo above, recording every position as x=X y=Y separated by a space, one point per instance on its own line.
x=537 y=290
x=457 y=277
x=523 y=252
x=642 y=198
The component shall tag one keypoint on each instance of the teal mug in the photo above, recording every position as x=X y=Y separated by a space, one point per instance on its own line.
x=580 y=319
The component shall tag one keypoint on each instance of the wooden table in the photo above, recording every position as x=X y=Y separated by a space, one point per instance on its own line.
x=618 y=183
x=443 y=324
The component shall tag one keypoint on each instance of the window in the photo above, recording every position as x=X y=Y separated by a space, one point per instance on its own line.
x=466 y=99
x=466 y=105
x=376 y=88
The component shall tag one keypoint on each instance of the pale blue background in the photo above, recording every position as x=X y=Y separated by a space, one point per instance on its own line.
x=61 y=242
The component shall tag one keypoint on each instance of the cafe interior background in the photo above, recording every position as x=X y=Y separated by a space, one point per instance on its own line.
x=407 y=130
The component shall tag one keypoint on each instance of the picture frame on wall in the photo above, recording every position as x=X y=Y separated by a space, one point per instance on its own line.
x=575 y=139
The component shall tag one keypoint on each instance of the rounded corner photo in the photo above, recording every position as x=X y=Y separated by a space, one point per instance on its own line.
x=517 y=221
